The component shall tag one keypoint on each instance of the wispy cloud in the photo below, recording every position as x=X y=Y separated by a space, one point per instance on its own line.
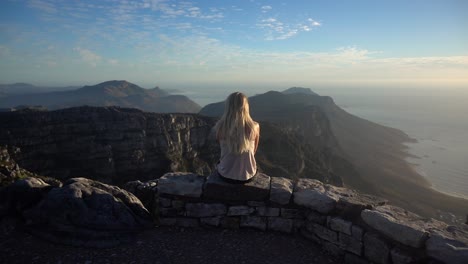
x=277 y=30
x=45 y=6
x=88 y=56
x=266 y=8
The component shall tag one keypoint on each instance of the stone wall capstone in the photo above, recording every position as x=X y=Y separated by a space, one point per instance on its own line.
x=356 y=228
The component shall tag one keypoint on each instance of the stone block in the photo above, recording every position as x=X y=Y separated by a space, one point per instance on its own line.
x=350 y=244
x=351 y=203
x=210 y=221
x=316 y=218
x=292 y=213
x=230 y=222
x=205 y=209
x=322 y=232
x=398 y=224
x=240 y=210
x=181 y=183
x=353 y=259
x=178 y=204
x=281 y=190
x=169 y=212
x=187 y=222
x=310 y=236
x=332 y=249
x=312 y=194
x=268 y=211
x=280 y=224
x=448 y=244
x=357 y=232
x=401 y=256
x=257 y=189
x=298 y=224
x=165 y=202
x=340 y=225
x=256 y=222
x=376 y=249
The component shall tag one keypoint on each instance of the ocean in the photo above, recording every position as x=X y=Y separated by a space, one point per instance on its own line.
x=436 y=117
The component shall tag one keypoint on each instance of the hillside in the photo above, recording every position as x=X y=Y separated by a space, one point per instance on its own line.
x=375 y=151
x=110 y=93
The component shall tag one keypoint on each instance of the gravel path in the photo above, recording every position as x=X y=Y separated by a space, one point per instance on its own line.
x=164 y=245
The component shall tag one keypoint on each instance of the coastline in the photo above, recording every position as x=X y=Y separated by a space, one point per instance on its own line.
x=379 y=154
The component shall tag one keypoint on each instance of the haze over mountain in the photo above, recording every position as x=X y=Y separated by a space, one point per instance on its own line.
x=117 y=93
x=375 y=151
x=26 y=88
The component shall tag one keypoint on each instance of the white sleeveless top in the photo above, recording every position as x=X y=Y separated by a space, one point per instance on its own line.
x=234 y=166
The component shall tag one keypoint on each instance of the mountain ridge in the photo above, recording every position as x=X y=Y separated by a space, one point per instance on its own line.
x=117 y=93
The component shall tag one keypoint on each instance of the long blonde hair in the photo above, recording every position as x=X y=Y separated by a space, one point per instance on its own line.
x=236 y=127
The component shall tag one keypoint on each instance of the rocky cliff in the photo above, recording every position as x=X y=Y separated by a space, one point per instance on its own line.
x=116 y=145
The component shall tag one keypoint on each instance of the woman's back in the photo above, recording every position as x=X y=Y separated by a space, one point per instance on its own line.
x=238 y=136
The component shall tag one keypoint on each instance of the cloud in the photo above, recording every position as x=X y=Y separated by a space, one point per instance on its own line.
x=266 y=8
x=42 y=5
x=88 y=56
x=277 y=30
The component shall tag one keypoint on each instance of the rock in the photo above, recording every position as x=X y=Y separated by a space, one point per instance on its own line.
x=257 y=189
x=256 y=222
x=350 y=244
x=230 y=222
x=88 y=213
x=448 y=244
x=312 y=194
x=322 y=232
x=280 y=224
x=291 y=213
x=332 y=249
x=281 y=190
x=268 y=211
x=400 y=256
x=204 y=209
x=351 y=203
x=187 y=222
x=256 y=203
x=240 y=210
x=353 y=259
x=357 y=232
x=21 y=195
x=398 y=224
x=167 y=221
x=340 y=225
x=210 y=221
x=376 y=249
x=181 y=183
x=316 y=218
x=165 y=202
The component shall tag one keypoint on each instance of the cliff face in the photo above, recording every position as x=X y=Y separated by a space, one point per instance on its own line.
x=116 y=145
x=110 y=144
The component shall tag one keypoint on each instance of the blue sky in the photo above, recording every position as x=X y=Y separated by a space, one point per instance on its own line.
x=295 y=43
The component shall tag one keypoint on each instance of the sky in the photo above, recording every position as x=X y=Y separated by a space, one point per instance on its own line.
x=249 y=42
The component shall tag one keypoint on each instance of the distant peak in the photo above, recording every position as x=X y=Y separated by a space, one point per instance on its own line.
x=301 y=90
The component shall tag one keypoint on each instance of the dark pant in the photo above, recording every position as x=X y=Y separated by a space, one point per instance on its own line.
x=232 y=180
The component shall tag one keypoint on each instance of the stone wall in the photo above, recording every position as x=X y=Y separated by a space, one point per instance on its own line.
x=354 y=227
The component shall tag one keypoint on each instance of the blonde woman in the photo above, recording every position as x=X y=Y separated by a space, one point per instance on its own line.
x=238 y=136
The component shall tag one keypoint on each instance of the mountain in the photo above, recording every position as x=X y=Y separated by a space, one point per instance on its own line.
x=117 y=93
x=301 y=90
x=376 y=152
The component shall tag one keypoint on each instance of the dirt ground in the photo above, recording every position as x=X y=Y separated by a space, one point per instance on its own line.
x=164 y=245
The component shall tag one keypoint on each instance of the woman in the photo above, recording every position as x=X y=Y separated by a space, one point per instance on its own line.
x=238 y=136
